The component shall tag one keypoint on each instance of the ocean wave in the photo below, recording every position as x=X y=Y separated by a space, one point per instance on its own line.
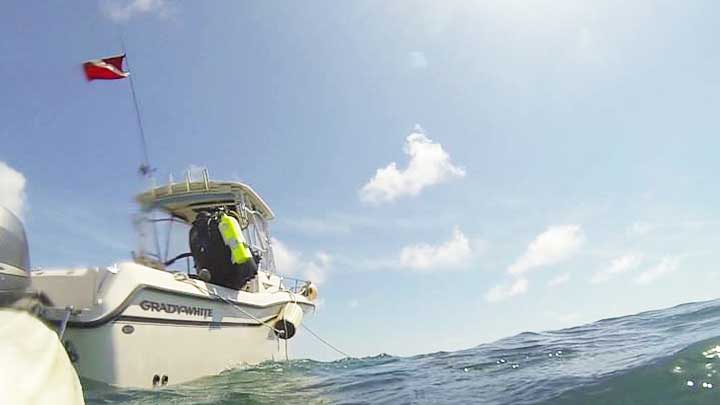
x=663 y=356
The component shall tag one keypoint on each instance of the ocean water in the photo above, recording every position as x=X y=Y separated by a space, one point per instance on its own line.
x=667 y=356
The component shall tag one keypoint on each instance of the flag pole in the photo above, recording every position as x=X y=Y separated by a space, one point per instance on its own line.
x=145 y=168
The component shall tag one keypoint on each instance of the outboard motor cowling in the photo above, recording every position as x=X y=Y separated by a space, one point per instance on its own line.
x=14 y=257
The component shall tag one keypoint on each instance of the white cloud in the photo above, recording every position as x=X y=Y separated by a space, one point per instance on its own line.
x=666 y=265
x=294 y=264
x=639 y=229
x=418 y=60
x=319 y=226
x=12 y=189
x=556 y=244
x=563 y=317
x=589 y=49
x=559 y=280
x=503 y=292
x=619 y=265
x=354 y=303
x=316 y=269
x=124 y=10
x=319 y=303
x=451 y=254
x=429 y=164
x=344 y=223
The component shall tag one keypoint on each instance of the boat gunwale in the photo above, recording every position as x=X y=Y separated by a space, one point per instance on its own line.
x=117 y=312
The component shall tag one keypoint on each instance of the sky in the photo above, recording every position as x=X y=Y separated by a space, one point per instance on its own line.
x=448 y=173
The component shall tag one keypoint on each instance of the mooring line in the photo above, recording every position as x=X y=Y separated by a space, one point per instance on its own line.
x=324 y=341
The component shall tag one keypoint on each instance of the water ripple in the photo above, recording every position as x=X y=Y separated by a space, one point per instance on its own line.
x=657 y=357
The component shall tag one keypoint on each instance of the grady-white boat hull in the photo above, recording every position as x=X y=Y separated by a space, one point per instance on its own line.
x=134 y=326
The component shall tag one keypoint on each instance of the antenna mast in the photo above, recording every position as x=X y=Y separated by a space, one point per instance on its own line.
x=145 y=168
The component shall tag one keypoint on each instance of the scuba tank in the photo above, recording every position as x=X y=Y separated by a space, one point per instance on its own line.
x=218 y=245
x=234 y=239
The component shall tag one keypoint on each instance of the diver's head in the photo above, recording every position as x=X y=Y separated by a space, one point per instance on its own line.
x=14 y=258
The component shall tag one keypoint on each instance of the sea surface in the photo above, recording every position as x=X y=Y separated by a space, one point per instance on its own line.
x=668 y=356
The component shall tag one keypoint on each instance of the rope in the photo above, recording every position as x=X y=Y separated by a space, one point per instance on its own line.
x=277 y=332
x=184 y=278
x=325 y=341
x=294 y=300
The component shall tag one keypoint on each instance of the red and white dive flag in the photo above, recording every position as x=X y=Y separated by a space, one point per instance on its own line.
x=105 y=68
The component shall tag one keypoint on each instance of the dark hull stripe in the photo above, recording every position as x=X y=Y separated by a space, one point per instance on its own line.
x=184 y=322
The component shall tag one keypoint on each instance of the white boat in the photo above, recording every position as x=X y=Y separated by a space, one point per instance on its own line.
x=146 y=323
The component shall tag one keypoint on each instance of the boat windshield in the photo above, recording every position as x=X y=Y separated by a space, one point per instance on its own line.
x=164 y=240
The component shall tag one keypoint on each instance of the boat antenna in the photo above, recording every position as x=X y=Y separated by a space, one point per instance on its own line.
x=145 y=169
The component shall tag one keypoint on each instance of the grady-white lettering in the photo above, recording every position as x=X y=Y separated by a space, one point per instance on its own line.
x=153 y=306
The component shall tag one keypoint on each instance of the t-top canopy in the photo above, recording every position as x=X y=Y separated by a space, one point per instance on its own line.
x=183 y=200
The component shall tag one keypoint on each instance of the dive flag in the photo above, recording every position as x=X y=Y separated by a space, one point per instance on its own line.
x=105 y=69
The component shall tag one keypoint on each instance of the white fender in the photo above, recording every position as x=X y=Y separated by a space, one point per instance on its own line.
x=288 y=320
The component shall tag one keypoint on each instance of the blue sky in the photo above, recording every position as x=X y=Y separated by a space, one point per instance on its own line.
x=449 y=173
